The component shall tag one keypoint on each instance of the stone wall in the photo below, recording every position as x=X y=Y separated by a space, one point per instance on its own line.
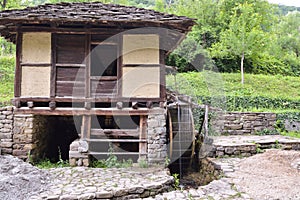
x=157 y=138
x=292 y=125
x=29 y=136
x=6 y=133
x=240 y=123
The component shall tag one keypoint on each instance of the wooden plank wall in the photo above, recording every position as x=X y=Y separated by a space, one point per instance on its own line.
x=70 y=67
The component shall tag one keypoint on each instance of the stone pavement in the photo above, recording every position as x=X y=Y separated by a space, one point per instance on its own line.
x=134 y=183
x=247 y=145
x=156 y=183
x=98 y=183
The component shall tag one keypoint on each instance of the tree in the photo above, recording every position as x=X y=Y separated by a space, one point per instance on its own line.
x=244 y=38
x=288 y=38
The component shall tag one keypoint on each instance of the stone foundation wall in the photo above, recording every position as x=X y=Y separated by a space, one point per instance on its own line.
x=157 y=138
x=240 y=123
x=29 y=136
x=6 y=127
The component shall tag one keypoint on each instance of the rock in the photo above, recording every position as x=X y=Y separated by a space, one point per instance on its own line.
x=104 y=195
x=83 y=146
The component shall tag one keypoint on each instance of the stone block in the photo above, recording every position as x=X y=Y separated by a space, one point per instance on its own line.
x=229 y=150
x=86 y=162
x=153 y=123
x=20 y=153
x=29 y=146
x=5 y=130
x=83 y=146
x=8 y=112
x=104 y=195
x=72 y=162
x=8 y=126
x=74 y=145
x=6 y=151
x=10 y=117
x=6 y=144
x=5 y=135
x=233 y=127
x=28 y=131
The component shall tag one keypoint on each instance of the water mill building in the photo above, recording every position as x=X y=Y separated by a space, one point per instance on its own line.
x=90 y=78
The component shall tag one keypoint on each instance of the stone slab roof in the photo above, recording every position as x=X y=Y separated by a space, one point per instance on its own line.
x=94 y=13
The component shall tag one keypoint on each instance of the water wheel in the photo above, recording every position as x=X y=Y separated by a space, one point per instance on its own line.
x=181 y=135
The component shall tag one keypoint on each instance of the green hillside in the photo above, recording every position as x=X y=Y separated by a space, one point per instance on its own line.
x=260 y=92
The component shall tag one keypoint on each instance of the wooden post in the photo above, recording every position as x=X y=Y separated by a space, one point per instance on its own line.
x=87 y=65
x=206 y=121
x=18 y=71
x=53 y=66
x=86 y=127
x=143 y=136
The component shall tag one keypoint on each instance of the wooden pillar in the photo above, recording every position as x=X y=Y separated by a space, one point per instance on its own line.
x=18 y=71
x=143 y=137
x=86 y=127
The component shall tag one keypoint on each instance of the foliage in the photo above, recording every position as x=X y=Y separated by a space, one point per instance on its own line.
x=245 y=37
x=292 y=134
x=267 y=132
x=176 y=181
x=143 y=163
x=7 y=65
x=189 y=56
x=111 y=161
x=46 y=164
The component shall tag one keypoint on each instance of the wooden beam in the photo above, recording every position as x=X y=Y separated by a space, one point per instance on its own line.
x=117 y=140
x=53 y=67
x=36 y=64
x=69 y=65
x=119 y=65
x=162 y=75
x=88 y=65
x=103 y=99
x=143 y=136
x=86 y=127
x=116 y=153
x=82 y=111
x=116 y=132
x=18 y=70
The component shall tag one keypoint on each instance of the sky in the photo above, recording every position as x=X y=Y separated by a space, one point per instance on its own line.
x=286 y=2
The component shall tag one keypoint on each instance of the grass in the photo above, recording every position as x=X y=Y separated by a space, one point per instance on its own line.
x=291 y=134
x=47 y=164
x=267 y=87
x=204 y=83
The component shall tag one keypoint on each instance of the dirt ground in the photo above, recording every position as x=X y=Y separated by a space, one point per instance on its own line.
x=271 y=175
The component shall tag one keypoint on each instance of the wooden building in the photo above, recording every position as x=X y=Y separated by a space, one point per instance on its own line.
x=101 y=62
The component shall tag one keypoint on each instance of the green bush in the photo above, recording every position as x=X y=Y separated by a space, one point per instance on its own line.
x=7 y=67
x=244 y=103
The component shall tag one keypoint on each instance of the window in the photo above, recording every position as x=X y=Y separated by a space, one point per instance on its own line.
x=104 y=60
